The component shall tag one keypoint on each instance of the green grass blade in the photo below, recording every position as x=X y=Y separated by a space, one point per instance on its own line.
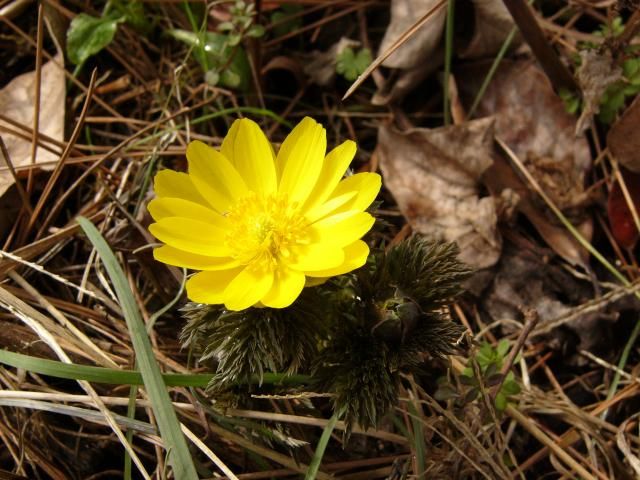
x=89 y=373
x=314 y=465
x=166 y=418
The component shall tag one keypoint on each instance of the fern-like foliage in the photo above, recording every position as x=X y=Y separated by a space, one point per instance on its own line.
x=392 y=319
x=246 y=344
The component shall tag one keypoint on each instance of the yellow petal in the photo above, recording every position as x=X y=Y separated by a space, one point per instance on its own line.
x=160 y=208
x=316 y=256
x=169 y=183
x=343 y=228
x=227 y=147
x=300 y=159
x=180 y=258
x=248 y=288
x=253 y=157
x=328 y=207
x=214 y=176
x=335 y=164
x=367 y=185
x=355 y=256
x=287 y=285
x=209 y=287
x=191 y=235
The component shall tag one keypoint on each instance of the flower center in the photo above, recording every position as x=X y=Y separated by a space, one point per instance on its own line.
x=264 y=228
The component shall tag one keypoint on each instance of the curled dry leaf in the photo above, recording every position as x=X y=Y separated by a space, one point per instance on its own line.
x=17 y=101
x=623 y=139
x=434 y=176
x=423 y=43
x=419 y=56
x=492 y=25
x=597 y=71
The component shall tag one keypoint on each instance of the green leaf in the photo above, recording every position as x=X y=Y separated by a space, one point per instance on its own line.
x=350 y=65
x=282 y=18
x=510 y=388
x=134 y=15
x=502 y=348
x=174 y=442
x=88 y=35
x=256 y=31
x=501 y=402
x=114 y=376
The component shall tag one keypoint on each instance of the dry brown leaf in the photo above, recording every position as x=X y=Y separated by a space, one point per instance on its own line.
x=434 y=177
x=623 y=138
x=597 y=71
x=17 y=100
x=423 y=43
x=492 y=25
x=502 y=178
x=532 y=121
x=524 y=279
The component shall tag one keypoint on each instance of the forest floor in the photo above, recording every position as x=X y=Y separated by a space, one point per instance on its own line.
x=517 y=140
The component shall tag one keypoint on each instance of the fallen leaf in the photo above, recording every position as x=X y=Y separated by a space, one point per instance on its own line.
x=623 y=139
x=17 y=100
x=525 y=279
x=596 y=73
x=492 y=25
x=423 y=43
x=502 y=178
x=623 y=226
x=434 y=175
x=532 y=121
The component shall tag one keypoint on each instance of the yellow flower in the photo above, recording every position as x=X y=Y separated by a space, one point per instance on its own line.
x=257 y=225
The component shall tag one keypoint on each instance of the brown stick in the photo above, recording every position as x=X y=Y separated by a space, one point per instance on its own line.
x=532 y=33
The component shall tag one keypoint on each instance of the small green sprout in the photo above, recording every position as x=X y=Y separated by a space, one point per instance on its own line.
x=350 y=64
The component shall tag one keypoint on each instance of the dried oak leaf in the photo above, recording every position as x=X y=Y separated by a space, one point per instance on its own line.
x=17 y=100
x=623 y=138
x=532 y=120
x=434 y=175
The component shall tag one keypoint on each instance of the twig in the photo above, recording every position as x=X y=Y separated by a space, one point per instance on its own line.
x=397 y=44
x=532 y=33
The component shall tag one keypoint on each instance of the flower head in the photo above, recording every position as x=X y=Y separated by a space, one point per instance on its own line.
x=257 y=224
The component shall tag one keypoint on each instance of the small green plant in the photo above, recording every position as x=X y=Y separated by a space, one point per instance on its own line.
x=489 y=361
x=617 y=94
x=88 y=35
x=350 y=64
x=222 y=63
x=241 y=23
x=282 y=21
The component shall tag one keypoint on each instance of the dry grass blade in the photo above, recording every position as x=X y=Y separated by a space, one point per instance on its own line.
x=397 y=44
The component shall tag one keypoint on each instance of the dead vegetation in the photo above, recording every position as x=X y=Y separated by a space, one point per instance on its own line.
x=481 y=140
